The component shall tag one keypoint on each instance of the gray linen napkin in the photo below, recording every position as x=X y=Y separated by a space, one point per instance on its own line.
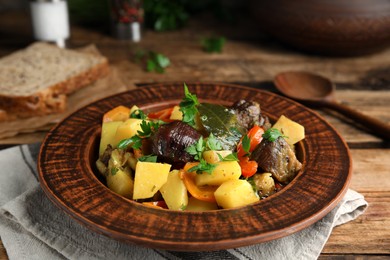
x=32 y=227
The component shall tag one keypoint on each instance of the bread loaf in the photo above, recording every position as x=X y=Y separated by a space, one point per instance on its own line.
x=35 y=81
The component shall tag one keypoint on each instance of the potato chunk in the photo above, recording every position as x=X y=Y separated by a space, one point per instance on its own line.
x=108 y=134
x=174 y=192
x=294 y=131
x=224 y=171
x=212 y=156
x=265 y=184
x=149 y=177
x=176 y=114
x=127 y=129
x=235 y=193
x=120 y=182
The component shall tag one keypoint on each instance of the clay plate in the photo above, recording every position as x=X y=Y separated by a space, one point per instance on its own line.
x=66 y=172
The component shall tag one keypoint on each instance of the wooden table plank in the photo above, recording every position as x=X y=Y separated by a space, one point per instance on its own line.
x=369 y=234
x=371 y=171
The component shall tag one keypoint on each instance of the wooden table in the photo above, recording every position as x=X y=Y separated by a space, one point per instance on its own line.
x=251 y=59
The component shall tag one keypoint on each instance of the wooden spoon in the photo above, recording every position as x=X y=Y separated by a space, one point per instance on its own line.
x=315 y=90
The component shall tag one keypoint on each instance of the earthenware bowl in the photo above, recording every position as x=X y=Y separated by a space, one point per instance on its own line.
x=330 y=27
x=67 y=175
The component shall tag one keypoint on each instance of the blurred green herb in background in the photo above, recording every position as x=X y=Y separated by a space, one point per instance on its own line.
x=154 y=61
x=213 y=44
x=165 y=15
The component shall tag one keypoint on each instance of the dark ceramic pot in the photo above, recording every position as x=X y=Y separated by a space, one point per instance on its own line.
x=329 y=27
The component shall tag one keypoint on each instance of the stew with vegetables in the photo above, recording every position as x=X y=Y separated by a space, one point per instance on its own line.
x=197 y=156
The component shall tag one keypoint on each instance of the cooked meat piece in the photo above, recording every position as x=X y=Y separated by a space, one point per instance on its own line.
x=170 y=141
x=277 y=158
x=248 y=113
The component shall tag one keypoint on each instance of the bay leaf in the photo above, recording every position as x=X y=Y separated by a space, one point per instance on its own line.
x=222 y=123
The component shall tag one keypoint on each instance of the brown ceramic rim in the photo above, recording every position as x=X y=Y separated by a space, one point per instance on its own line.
x=67 y=177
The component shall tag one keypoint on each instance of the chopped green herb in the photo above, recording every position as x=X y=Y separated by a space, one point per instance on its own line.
x=147 y=128
x=183 y=207
x=203 y=166
x=213 y=44
x=213 y=143
x=114 y=171
x=246 y=144
x=157 y=62
x=197 y=149
x=138 y=114
x=165 y=15
x=228 y=158
x=253 y=184
x=148 y=158
x=135 y=142
x=188 y=106
x=272 y=134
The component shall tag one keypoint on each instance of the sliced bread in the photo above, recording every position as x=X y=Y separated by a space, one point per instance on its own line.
x=35 y=81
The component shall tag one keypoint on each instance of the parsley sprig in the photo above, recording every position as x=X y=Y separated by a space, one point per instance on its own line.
x=213 y=44
x=246 y=144
x=188 y=107
x=197 y=150
x=148 y=158
x=154 y=61
x=273 y=134
x=147 y=129
x=138 y=114
x=228 y=158
x=157 y=62
x=135 y=142
x=203 y=166
x=213 y=143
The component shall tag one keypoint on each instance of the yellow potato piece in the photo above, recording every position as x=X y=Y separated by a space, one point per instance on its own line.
x=174 y=191
x=149 y=177
x=200 y=205
x=133 y=108
x=235 y=193
x=212 y=156
x=264 y=183
x=224 y=171
x=176 y=114
x=294 y=131
x=108 y=134
x=127 y=129
x=120 y=182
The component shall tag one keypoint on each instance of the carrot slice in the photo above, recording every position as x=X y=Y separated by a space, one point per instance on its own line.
x=255 y=135
x=163 y=115
x=204 y=193
x=248 y=168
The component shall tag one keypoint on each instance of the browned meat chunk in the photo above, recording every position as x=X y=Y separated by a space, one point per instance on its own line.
x=248 y=114
x=277 y=158
x=170 y=141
